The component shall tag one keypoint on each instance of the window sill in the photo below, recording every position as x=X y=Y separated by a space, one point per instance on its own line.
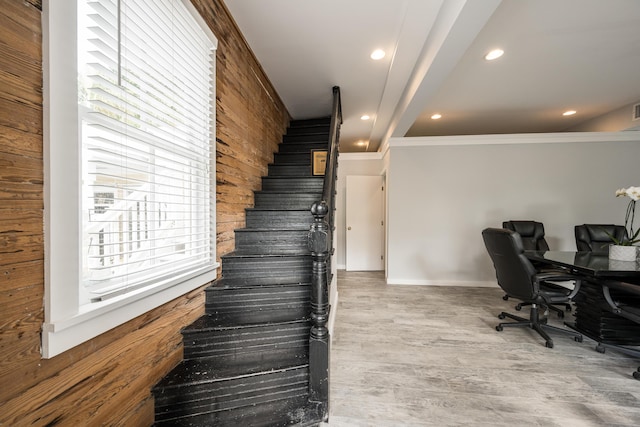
x=95 y=319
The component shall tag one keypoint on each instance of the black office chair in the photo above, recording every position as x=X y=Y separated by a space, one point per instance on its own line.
x=533 y=239
x=531 y=233
x=597 y=237
x=519 y=279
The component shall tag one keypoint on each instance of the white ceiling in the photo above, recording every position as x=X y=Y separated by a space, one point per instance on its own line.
x=559 y=54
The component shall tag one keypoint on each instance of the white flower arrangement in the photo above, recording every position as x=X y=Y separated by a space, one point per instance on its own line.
x=633 y=193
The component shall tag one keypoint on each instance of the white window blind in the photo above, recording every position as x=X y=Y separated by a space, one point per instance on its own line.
x=129 y=162
x=146 y=110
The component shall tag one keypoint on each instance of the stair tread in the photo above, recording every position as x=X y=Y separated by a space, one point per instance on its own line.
x=297 y=163
x=239 y=253
x=224 y=283
x=207 y=322
x=288 y=191
x=298 y=148
x=316 y=132
x=277 y=209
x=318 y=143
x=291 y=228
x=322 y=128
x=209 y=369
x=245 y=230
x=317 y=138
x=292 y=177
x=292 y=154
x=230 y=321
x=291 y=193
x=311 y=121
x=275 y=251
x=285 y=412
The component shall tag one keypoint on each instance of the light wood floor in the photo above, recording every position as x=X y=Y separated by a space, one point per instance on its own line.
x=430 y=356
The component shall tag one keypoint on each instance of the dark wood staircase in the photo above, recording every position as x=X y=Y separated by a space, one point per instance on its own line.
x=246 y=361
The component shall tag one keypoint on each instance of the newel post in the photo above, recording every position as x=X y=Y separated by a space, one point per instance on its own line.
x=318 y=242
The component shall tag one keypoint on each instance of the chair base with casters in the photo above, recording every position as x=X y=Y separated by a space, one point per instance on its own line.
x=534 y=323
x=558 y=311
x=553 y=307
x=555 y=290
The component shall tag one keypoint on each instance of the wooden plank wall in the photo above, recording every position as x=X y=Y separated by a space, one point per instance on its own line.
x=106 y=381
x=250 y=124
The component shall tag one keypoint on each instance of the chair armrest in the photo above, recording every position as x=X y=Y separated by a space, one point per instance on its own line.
x=559 y=276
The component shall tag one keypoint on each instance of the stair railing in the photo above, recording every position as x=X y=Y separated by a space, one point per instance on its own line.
x=320 y=241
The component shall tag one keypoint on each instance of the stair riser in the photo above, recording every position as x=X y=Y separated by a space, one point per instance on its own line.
x=309 y=128
x=289 y=170
x=286 y=200
x=243 y=306
x=292 y=184
x=254 y=350
x=248 y=346
x=322 y=121
x=244 y=392
x=262 y=353
x=264 y=242
x=301 y=147
x=245 y=316
x=279 y=412
x=307 y=137
x=289 y=158
x=283 y=220
x=223 y=293
x=270 y=271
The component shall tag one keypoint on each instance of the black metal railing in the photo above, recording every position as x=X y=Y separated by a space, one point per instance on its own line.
x=320 y=242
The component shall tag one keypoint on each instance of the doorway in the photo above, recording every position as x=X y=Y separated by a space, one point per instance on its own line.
x=365 y=223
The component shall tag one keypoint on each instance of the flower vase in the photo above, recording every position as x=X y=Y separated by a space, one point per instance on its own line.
x=623 y=253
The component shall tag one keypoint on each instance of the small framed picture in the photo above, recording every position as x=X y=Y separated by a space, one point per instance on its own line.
x=318 y=162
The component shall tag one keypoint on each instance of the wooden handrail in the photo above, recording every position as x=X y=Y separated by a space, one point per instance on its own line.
x=328 y=187
x=320 y=242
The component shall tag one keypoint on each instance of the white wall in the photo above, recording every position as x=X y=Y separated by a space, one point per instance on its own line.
x=443 y=191
x=351 y=164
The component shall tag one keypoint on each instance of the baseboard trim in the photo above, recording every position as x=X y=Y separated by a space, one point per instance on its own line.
x=423 y=282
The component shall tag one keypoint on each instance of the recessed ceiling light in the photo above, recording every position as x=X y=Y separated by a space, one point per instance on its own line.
x=436 y=116
x=365 y=117
x=494 y=54
x=377 y=54
x=569 y=113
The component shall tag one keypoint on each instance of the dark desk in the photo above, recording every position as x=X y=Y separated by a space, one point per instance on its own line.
x=589 y=264
x=593 y=315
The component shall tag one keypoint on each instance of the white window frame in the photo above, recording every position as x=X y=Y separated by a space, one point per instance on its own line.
x=67 y=322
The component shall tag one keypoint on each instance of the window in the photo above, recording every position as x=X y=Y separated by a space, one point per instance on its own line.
x=129 y=162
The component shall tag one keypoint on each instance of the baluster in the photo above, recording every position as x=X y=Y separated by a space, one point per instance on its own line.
x=318 y=242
